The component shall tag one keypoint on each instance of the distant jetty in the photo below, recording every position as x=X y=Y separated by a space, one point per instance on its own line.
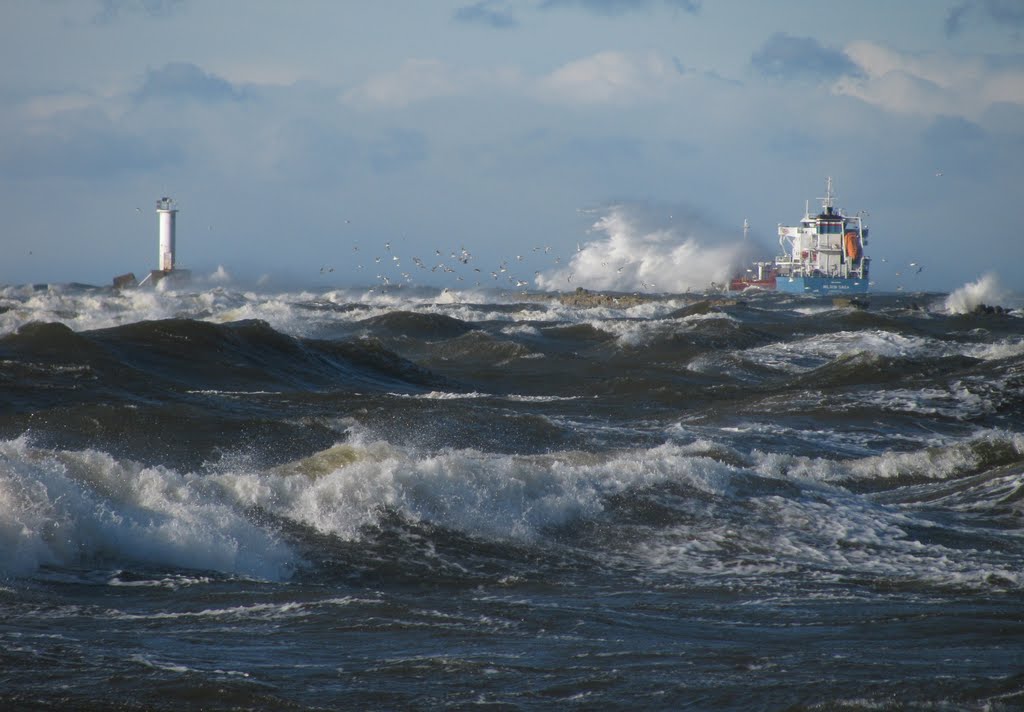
x=586 y=299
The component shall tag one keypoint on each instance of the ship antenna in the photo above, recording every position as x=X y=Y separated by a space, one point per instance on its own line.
x=826 y=202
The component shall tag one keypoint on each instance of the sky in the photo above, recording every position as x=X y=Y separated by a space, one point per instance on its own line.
x=608 y=144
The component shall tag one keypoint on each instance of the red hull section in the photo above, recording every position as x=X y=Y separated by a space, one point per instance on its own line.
x=738 y=284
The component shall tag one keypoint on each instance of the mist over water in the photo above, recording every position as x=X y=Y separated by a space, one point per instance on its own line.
x=434 y=498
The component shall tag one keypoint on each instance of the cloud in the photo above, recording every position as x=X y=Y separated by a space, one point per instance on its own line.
x=1004 y=13
x=111 y=10
x=318 y=150
x=604 y=78
x=182 y=80
x=789 y=57
x=620 y=7
x=955 y=18
x=611 y=78
x=83 y=144
x=416 y=80
x=396 y=149
x=947 y=130
x=931 y=84
x=487 y=12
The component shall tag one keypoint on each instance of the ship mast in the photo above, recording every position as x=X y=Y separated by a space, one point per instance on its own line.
x=826 y=202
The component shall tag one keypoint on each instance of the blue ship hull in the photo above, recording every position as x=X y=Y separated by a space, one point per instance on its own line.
x=822 y=285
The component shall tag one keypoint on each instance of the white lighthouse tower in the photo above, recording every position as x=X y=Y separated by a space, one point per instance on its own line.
x=166 y=213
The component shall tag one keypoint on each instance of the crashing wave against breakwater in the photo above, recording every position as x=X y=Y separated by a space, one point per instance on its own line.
x=422 y=499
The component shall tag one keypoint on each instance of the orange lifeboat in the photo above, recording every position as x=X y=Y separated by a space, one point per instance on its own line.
x=852 y=245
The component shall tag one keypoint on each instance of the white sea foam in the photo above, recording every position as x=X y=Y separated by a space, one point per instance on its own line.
x=832 y=538
x=66 y=508
x=997 y=350
x=69 y=508
x=444 y=395
x=521 y=330
x=81 y=507
x=813 y=352
x=301 y=313
x=440 y=395
x=942 y=459
x=345 y=488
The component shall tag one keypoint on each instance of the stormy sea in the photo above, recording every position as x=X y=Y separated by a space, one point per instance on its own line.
x=226 y=499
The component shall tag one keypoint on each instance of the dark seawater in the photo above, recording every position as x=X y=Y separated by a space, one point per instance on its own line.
x=228 y=500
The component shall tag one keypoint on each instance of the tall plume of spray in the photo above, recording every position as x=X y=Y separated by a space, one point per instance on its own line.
x=632 y=252
x=986 y=290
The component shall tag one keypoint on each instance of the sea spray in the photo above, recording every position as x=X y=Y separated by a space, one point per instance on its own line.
x=969 y=297
x=634 y=256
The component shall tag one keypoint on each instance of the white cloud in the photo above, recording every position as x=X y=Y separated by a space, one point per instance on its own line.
x=610 y=78
x=49 y=105
x=603 y=78
x=422 y=79
x=415 y=80
x=930 y=84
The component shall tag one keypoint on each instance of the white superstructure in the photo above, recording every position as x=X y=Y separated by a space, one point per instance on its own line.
x=829 y=244
x=822 y=255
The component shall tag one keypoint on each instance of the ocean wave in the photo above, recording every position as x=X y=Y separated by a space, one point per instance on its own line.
x=78 y=508
x=700 y=507
x=153 y=357
x=417 y=325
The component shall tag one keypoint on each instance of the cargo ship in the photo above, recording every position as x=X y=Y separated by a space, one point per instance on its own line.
x=823 y=255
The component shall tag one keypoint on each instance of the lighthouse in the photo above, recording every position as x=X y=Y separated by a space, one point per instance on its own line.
x=166 y=214
x=167 y=270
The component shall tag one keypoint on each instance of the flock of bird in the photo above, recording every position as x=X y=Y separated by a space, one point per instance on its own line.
x=392 y=270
